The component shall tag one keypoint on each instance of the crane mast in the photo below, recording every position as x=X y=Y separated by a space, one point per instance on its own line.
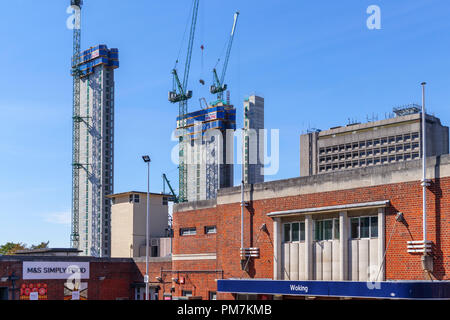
x=181 y=95
x=219 y=86
x=77 y=119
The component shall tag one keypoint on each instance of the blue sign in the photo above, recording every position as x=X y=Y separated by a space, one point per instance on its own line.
x=353 y=289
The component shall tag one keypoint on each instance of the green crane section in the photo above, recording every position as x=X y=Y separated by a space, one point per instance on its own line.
x=172 y=192
x=77 y=119
x=181 y=95
x=219 y=86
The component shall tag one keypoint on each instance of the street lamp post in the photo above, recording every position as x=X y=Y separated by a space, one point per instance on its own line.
x=147 y=160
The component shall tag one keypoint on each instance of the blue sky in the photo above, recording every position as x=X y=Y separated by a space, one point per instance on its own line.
x=315 y=62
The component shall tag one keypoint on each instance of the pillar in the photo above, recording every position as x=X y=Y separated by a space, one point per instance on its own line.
x=277 y=248
x=343 y=246
x=381 y=242
x=308 y=247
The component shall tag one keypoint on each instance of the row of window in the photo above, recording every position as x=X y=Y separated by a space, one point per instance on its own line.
x=193 y=231
x=370 y=162
x=371 y=143
x=370 y=152
x=328 y=229
x=135 y=198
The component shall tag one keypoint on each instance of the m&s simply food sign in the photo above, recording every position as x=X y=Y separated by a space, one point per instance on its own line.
x=54 y=270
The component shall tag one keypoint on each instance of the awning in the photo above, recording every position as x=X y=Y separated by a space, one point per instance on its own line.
x=336 y=208
x=436 y=290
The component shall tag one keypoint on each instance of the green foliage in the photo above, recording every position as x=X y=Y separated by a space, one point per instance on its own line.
x=42 y=245
x=10 y=248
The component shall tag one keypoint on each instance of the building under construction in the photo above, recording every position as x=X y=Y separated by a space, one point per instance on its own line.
x=208 y=135
x=94 y=150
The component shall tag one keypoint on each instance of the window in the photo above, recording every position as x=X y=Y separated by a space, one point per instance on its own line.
x=326 y=229
x=188 y=231
x=165 y=201
x=212 y=295
x=374 y=227
x=210 y=229
x=354 y=228
x=294 y=231
x=364 y=227
x=336 y=229
x=287 y=232
x=186 y=293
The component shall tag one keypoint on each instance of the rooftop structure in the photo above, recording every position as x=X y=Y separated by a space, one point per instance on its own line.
x=374 y=143
x=50 y=252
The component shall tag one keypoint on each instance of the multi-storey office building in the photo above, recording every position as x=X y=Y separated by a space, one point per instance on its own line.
x=209 y=135
x=374 y=143
x=96 y=149
x=254 y=140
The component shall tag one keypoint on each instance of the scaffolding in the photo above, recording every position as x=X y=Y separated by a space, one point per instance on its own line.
x=76 y=118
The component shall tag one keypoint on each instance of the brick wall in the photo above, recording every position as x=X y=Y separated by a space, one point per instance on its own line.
x=119 y=278
x=400 y=265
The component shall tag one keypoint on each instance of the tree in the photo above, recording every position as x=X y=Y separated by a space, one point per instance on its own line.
x=42 y=245
x=10 y=248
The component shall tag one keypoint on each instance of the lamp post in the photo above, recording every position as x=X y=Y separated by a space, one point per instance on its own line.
x=147 y=160
x=13 y=278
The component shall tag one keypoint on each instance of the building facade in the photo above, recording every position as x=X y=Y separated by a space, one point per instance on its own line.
x=254 y=140
x=95 y=178
x=208 y=158
x=128 y=225
x=374 y=143
x=331 y=235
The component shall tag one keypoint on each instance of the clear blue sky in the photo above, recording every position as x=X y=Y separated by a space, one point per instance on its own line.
x=315 y=62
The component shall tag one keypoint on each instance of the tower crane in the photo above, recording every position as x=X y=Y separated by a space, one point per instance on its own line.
x=181 y=95
x=77 y=119
x=219 y=86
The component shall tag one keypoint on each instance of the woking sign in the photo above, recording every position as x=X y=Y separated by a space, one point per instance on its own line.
x=55 y=270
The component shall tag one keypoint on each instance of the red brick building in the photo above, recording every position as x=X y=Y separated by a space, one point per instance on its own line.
x=349 y=228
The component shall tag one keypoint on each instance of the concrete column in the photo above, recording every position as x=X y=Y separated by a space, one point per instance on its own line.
x=343 y=241
x=381 y=243
x=308 y=247
x=277 y=248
